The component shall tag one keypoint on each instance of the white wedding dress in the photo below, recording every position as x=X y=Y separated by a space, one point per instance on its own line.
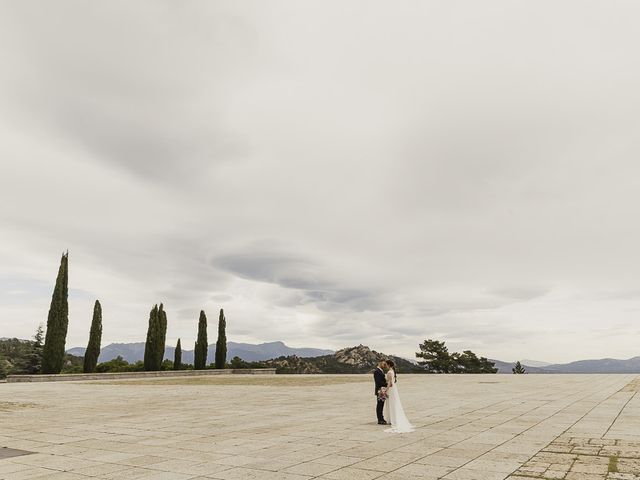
x=393 y=407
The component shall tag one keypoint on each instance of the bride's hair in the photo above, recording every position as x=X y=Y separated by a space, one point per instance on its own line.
x=392 y=364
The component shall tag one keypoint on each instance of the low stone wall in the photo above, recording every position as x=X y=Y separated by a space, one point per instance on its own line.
x=62 y=377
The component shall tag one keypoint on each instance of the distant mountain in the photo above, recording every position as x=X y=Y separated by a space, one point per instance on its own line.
x=535 y=363
x=604 y=365
x=133 y=352
x=360 y=359
x=317 y=360
x=506 y=367
x=265 y=351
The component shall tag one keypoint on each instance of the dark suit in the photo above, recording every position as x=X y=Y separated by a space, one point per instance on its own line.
x=381 y=381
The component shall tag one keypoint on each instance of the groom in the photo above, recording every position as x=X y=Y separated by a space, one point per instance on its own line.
x=381 y=382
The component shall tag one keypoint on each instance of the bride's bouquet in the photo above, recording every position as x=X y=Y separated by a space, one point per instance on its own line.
x=382 y=394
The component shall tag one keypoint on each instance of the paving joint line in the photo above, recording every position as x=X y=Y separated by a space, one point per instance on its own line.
x=546 y=402
x=620 y=412
x=440 y=448
x=567 y=429
x=519 y=434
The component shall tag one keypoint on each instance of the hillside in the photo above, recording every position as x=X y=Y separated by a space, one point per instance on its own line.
x=360 y=359
x=19 y=356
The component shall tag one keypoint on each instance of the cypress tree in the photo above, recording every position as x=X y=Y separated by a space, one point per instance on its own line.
x=150 y=345
x=95 y=336
x=57 y=321
x=202 y=344
x=177 y=357
x=221 y=344
x=162 y=336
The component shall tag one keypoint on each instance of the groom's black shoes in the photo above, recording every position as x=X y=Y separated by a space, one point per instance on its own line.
x=382 y=422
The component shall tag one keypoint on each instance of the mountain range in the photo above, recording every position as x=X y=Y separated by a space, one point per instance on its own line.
x=603 y=365
x=133 y=352
x=534 y=363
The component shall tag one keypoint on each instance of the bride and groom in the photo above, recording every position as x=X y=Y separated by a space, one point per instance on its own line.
x=386 y=390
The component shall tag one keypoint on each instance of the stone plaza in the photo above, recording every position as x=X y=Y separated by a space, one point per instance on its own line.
x=468 y=427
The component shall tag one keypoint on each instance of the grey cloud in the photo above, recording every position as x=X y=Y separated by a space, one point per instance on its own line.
x=461 y=176
x=287 y=270
x=521 y=293
x=141 y=103
x=609 y=294
x=193 y=285
x=311 y=281
x=221 y=298
x=153 y=148
x=462 y=305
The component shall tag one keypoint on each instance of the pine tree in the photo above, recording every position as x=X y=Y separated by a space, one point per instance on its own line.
x=202 y=345
x=221 y=344
x=487 y=366
x=436 y=357
x=95 y=336
x=465 y=362
x=57 y=321
x=34 y=362
x=177 y=357
x=150 y=345
x=518 y=368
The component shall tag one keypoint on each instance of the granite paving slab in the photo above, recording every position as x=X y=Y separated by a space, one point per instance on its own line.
x=468 y=427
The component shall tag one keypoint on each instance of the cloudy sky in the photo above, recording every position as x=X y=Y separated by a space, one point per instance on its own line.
x=331 y=173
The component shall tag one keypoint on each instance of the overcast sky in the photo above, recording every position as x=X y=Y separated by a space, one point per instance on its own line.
x=331 y=173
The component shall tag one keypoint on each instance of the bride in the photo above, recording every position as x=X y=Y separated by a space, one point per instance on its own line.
x=393 y=405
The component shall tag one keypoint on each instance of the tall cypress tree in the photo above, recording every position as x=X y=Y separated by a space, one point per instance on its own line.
x=57 y=321
x=162 y=336
x=177 y=357
x=95 y=336
x=221 y=344
x=152 y=340
x=202 y=345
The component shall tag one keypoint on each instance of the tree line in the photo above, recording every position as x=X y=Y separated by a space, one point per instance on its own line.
x=52 y=356
x=46 y=354
x=436 y=358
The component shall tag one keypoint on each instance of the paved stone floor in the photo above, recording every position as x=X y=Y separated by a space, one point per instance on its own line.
x=582 y=427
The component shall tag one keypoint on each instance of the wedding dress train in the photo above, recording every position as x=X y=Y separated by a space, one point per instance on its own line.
x=393 y=406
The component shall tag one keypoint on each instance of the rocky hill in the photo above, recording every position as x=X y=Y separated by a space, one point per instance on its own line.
x=360 y=359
